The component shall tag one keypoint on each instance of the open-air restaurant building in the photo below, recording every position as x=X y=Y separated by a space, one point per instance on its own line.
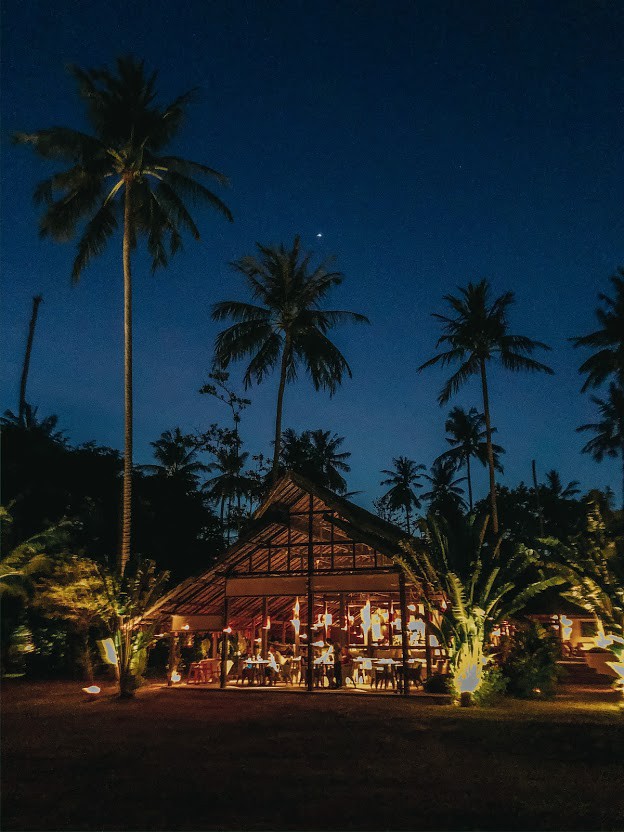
x=309 y=597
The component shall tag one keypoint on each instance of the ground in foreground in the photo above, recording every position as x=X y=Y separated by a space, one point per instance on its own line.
x=184 y=759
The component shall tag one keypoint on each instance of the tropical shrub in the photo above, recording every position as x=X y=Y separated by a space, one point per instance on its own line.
x=473 y=585
x=531 y=665
x=493 y=687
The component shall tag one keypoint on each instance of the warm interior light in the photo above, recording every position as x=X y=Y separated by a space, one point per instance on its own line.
x=267 y=624
x=411 y=607
x=365 y=615
x=376 y=620
x=92 y=690
x=566 y=627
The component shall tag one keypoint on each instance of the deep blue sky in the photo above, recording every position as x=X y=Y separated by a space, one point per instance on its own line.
x=429 y=143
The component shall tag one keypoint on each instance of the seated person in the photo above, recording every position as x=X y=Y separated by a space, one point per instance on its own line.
x=275 y=660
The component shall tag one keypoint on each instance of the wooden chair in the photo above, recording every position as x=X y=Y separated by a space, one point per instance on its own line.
x=383 y=675
x=195 y=674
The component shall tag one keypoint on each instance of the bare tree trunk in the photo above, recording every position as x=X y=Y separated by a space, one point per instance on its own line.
x=469 y=481
x=29 y=343
x=490 y=452
x=127 y=470
x=280 y=403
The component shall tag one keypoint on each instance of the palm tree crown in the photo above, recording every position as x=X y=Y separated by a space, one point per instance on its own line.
x=403 y=480
x=176 y=454
x=557 y=489
x=286 y=325
x=609 y=438
x=478 y=332
x=445 y=493
x=316 y=454
x=608 y=361
x=467 y=438
x=125 y=149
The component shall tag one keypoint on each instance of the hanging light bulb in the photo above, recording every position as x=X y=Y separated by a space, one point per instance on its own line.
x=295 y=620
x=365 y=615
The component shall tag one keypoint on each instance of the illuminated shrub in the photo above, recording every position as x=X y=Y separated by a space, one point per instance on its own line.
x=531 y=664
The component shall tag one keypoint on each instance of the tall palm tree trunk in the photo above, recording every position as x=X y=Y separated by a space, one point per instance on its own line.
x=490 y=452
x=469 y=481
x=126 y=529
x=407 y=517
x=280 y=404
x=29 y=343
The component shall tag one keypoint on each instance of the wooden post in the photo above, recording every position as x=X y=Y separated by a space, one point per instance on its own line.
x=172 y=654
x=215 y=646
x=264 y=633
x=404 y=634
x=342 y=619
x=428 y=642
x=310 y=588
x=225 y=643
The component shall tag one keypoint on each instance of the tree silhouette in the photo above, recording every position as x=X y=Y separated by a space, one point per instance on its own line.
x=476 y=334
x=286 y=327
x=120 y=174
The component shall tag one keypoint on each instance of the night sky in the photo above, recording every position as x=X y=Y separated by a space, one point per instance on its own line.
x=429 y=144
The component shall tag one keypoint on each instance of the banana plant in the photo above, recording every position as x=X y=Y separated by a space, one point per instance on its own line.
x=470 y=587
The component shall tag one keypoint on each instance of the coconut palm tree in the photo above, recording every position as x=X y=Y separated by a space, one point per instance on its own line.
x=121 y=174
x=445 y=495
x=556 y=488
x=403 y=480
x=176 y=454
x=471 y=585
x=316 y=454
x=608 y=361
x=477 y=333
x=609 y=438
x=286 y=327
x=466 y=435
x=331 y=460
x=229 y=483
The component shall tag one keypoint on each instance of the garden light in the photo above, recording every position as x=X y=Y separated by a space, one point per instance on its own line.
x=92 y=690
x=175 y=677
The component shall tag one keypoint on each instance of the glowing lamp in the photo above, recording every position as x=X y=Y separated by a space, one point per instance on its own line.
x=175 y=677
x=411 y=607
x=566 y=627
x=92 y=690
x=267 y=623
x=227 y=630
x=186 y=627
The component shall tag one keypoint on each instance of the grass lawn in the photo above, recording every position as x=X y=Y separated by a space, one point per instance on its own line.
x=193 y=759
